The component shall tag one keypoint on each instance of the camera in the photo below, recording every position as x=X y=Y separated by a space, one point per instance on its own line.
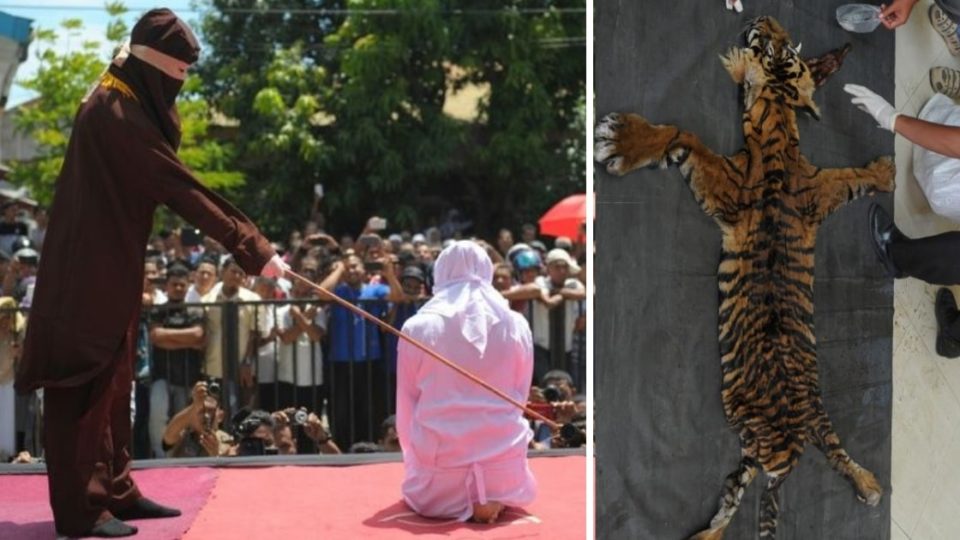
x=552 y=394
x=297 y=417
x=254 y=446
x=213 y=388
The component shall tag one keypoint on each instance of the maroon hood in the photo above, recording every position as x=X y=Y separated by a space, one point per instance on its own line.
x=163 y=31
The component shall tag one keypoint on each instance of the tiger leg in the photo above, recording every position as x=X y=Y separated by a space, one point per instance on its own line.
x=770 y=506
x=863 y=481
x=835 y=187
x=733 y=489
x=626 y=142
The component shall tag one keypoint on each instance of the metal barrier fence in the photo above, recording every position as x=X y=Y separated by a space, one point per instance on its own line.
x=347 y=377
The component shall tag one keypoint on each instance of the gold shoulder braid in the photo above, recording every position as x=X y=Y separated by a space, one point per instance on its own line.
x=109 y=81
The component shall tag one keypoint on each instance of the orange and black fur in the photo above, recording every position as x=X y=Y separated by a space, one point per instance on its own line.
x=769 y=202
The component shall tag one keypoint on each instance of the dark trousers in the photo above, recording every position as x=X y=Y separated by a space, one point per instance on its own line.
x=358 y=401
x=87 y=443
x=934 y=259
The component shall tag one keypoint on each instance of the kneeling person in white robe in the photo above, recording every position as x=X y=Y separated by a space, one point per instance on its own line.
x=464 y=448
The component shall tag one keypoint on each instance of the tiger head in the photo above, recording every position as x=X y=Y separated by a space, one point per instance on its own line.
x=771 y=65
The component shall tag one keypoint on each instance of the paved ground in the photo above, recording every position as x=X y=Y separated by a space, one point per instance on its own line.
x=926 y=388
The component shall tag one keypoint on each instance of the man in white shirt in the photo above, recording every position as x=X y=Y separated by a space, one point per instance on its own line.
x=301 y=327
x=554 y=317
x=249 y=327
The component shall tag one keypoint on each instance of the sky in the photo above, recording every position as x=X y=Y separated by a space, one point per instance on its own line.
x=49 y=14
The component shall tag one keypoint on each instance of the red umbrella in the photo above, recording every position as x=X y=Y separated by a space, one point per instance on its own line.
x=566 y=217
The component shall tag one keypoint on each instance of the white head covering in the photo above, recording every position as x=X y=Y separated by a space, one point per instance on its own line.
x=463 y=292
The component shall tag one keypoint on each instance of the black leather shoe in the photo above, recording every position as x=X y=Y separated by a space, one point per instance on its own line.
x=144 y=508
x=884 y=231
x=946 y=311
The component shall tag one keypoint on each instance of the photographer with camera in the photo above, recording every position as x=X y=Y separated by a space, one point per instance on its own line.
x=254 y=433
x=195 y=431
x=297 y=431
x=554 y=398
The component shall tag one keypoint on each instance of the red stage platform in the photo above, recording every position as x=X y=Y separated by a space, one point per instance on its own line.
x=307 y=501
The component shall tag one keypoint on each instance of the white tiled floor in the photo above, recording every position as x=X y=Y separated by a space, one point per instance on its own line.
x=926 y=388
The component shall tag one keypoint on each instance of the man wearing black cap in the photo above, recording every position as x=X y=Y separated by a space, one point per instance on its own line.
x=121 y=163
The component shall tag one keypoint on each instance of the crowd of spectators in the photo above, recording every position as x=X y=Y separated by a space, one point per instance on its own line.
x=230 y=364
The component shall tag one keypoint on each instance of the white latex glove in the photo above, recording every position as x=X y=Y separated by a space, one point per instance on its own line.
x=275 y=268
x=872 y=104
x=735 y=5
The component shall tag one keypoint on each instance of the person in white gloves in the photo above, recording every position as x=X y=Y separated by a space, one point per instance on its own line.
x=934 y=259
x=940 y=138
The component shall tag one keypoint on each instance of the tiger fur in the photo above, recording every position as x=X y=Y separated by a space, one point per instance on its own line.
x=769 y=201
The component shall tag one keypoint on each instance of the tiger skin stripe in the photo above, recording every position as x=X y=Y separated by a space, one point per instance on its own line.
x=769 y=202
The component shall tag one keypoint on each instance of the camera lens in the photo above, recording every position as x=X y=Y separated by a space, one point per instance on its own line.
x=551 y=393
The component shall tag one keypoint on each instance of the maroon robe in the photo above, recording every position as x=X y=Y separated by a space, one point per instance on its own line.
x=120 y=164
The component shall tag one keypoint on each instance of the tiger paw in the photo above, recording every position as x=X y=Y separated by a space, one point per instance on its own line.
x=625 y=142
x=886 y=171
x=868 y=489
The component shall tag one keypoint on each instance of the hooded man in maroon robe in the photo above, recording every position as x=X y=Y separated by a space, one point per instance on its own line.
x=121 y=163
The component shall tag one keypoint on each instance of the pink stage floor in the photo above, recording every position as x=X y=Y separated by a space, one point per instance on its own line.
x=292 y=502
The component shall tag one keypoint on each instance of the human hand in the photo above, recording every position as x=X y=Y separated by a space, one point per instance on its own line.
x=210 y=443
x=199 y=394
x=315 y=430
x=565 y=411
x=877 y=107
x=897 y=13
x=275 y=268
x=735 y=5
x=280 y=417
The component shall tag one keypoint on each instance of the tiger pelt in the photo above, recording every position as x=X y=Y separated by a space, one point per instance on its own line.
x=769 y=201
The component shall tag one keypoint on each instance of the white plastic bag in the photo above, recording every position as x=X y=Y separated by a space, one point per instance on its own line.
x=939 y=175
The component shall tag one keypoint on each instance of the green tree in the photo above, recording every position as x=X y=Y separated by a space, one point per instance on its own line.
x=359 y=100
x=65 y=76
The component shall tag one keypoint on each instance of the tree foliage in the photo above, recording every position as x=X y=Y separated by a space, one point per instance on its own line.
x=64 y=76
x=361 y=102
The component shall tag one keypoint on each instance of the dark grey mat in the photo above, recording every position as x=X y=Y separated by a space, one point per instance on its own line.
x=663 y=447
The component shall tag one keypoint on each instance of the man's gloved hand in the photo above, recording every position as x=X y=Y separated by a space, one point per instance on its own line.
x=275 y=268
x=877 y=107
x=735 y=5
